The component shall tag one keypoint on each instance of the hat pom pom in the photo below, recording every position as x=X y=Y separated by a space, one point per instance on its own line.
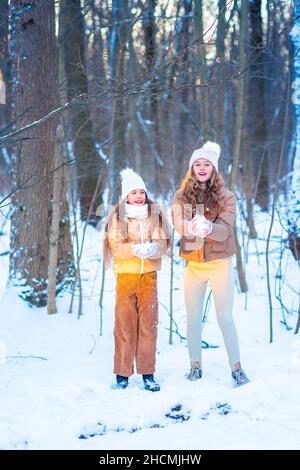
x=213 y=147
x=127 y=173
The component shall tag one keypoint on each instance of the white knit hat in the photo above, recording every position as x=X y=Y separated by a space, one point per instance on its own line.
x=131 y=181
x=209 y=151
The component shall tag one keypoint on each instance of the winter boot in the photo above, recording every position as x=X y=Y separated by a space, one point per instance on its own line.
x=122 y=382
x=150 y=383
x=239 y=377
x=194 y=374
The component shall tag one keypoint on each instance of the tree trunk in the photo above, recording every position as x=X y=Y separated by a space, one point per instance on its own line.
x=240 y=94
x=33 y=91
x=4 y=95
x=97 y=73
x=3 y=63
x=54 y=228
x=178 y=149
x=253 y=147
x=133 y=109
x=88 y=162
x=149 y=28
x=220 y=56
x=275 y=197
x=238 y=128
x=65 y=263
x=117 y=56
x=184 y=126
x=203 y=71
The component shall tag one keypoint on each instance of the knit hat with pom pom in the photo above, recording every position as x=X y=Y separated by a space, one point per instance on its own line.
x=130 y=181
x=209 y=151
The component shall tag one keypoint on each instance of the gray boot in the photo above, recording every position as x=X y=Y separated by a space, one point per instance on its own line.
x=194 y=374
x=239 y=377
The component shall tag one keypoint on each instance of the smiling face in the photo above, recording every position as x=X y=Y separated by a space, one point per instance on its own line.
x=136 y=197
x=203 y=170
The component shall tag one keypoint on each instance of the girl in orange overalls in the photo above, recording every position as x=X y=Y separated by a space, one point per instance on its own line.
x=137 y=236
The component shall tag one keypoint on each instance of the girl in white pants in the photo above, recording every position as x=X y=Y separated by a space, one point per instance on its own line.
x=204 y=213
x=220 y=275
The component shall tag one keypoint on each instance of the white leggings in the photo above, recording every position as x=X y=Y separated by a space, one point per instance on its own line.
x=220 y=275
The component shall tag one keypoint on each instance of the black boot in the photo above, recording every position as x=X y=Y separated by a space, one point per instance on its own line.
x=150 y=383
x=122 y=382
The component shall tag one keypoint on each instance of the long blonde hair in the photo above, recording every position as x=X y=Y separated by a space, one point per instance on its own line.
x=192 y=192
x=119 y=212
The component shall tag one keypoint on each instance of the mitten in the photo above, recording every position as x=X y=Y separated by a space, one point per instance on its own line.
x=140 y=250
x=153 y=248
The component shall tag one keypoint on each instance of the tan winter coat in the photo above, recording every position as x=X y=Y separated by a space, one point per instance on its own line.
x=137 y=231
x=220 y=243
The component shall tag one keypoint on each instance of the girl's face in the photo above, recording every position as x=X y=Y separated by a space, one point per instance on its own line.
x=136 y=197
x=203 y=170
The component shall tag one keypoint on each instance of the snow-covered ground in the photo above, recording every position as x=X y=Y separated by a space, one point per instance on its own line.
x=56 y=371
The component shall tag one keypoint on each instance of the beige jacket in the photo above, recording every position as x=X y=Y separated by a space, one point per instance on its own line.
x=220 y=243
x=137 y=231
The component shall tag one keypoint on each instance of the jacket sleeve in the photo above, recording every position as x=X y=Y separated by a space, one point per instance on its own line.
x=179 y=222
x=225 y=220
x=119 y=248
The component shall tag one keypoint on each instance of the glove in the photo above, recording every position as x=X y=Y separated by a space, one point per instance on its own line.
x=145 y=250
x=139 y=250
x=153 y=248
x=200 y=226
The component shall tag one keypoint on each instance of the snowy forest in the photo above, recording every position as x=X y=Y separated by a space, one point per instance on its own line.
x=87 y=89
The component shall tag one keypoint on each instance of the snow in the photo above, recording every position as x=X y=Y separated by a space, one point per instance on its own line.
x=56 y=371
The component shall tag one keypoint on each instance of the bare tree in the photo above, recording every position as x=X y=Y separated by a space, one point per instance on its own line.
x=238 y=127
x=133 y=105
x=33 y=91
x=221 y=66
x=54 y=228
x=80 y=134
x=4 y=94
x=152 y=70
x=275 y=198
x=253 y=155
x=3 y=63
x=118 y=41
x=203 y=70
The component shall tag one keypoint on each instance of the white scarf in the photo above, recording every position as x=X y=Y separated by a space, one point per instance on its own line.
x=136 y=212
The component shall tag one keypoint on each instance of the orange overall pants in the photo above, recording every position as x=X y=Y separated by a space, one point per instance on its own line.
x=136 y=317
